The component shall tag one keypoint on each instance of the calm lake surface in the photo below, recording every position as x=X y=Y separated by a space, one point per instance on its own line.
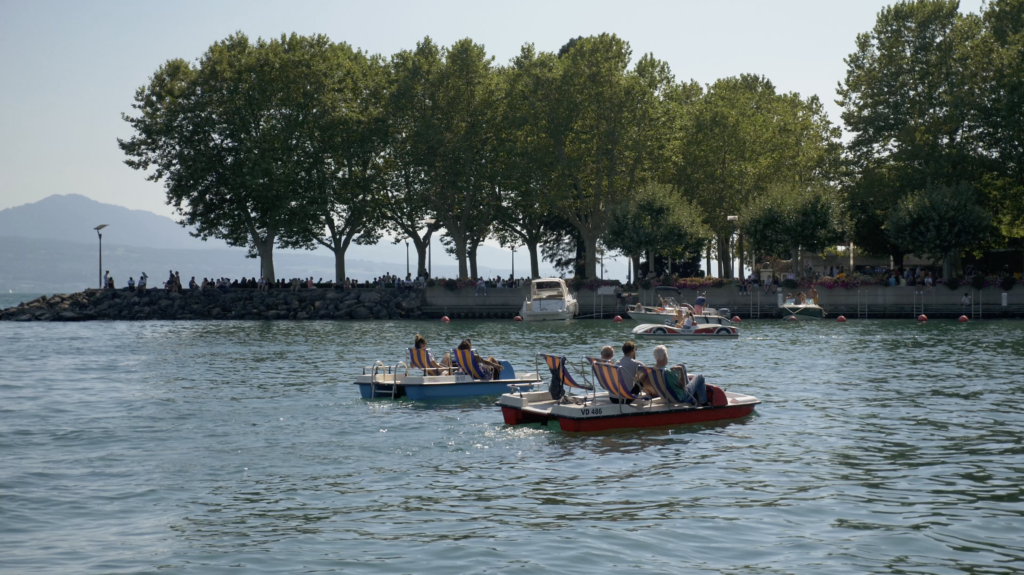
x=881 y=446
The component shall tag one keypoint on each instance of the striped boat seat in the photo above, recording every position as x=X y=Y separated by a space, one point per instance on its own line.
x=610 y=377
x=656 y=377
x=466 y=360
x=423 y=359
x=557 y=364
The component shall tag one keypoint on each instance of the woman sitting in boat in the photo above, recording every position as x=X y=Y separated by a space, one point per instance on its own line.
x=420 y=343
x=491 y=363
x=801 y=299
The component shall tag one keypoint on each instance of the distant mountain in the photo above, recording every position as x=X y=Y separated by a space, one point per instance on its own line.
x=72 y=217
x=50 y=246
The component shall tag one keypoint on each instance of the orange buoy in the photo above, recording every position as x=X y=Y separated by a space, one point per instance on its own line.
x=922 y=317
x=517 y=318
x=736 y=318
x=444 y=319
x=841 y=319
x=791 y=318
x=617 y=319
x=963 y=319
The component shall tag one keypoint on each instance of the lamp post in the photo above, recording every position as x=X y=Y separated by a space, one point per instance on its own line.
x=407 y=258
x=513 y=263
x=733 y=220
x=98 y=228
x=430 y=251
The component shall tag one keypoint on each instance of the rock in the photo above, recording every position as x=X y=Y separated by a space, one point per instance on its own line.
x=380 y=312
x=302 y=315
x=369 y=297
x=360 y=312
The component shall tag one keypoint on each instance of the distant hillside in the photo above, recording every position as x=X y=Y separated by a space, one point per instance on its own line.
x=51 y=246
x=72 y=217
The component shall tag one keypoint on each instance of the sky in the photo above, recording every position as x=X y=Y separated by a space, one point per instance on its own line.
x=68 y=70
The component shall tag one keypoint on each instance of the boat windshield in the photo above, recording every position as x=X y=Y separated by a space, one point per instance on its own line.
x=670 y=302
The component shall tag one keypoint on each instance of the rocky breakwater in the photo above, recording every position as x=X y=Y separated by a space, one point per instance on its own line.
x=211 y=304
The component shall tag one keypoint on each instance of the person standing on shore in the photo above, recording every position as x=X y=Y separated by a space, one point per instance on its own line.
x=142 y=283
x=106 y=279
x=131 y=284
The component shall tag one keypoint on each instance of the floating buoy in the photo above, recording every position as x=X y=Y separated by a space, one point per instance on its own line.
x=790 y=318
x=963 y=319
x=736 y=318
x=922 y=317
x=841 y=319
x=444 y=319
x=517 y=318
x=617 y=319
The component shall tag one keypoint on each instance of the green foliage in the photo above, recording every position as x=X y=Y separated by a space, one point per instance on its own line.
x=978 y=281
x=788 y=216
x=660 y=221
x=939 y=221
x=1007 y=282
x=953 y=283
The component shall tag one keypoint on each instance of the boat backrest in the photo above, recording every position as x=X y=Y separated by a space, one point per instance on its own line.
x=466 y=359
x=558 y=364
x=656 y=377
x=421 y=358
x=609 y=376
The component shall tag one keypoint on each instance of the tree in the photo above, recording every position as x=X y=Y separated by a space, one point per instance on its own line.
x=739 y=137
x=343 y=148
x=999 y=111
x=789 y=218
x=907 y=98
x=602 y=125
x=940 y=222
x=220 y=135
x=657 y=222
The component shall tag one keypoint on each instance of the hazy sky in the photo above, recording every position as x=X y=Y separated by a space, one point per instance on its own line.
x=69 y=69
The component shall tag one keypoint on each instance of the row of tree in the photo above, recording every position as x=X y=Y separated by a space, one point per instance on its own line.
x=300 y=141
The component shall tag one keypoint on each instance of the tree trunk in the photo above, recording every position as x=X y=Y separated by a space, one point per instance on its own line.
x=534 y=260
x=897 y=259
x=588 y=244
x=460 y=255
x=636 y=268
x=798 y=271
x=724 y=257
x=421 y=258
x=265 y=249
x=739 y=255
x=708 y=255
x=473 y=270
x=650 y=263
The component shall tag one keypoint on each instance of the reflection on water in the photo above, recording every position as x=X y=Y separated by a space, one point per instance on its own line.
x=881 y=446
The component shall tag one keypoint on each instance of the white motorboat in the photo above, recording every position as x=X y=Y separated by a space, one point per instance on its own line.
x=549 y=300
x=666 y=311
x=706 y=330
x=801 y=311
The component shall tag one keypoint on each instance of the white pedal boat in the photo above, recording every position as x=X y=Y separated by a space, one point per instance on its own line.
x=706 y=330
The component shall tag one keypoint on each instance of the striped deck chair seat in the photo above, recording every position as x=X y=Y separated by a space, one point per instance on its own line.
x=423 y=359
x=557 y=364
x=656 y=377
x=610 y=377
x=466 y=360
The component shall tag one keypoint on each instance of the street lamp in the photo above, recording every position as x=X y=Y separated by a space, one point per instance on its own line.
x=98 y=228
x=407 y=258
x=732 y=219
x=513 y=263
x=430 y=251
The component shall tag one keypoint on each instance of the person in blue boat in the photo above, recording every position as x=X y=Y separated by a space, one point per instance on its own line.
x=420 y=342
x=493 y=364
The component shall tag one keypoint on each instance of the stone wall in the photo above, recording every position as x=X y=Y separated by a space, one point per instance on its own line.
x=211 y=304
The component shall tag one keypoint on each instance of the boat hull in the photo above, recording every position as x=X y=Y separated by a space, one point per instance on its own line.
x=685 y=417
x=600 y=414
x=698 y=332
x=437 y=391
x=802 y=313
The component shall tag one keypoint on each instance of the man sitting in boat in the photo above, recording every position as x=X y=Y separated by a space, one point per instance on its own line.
x=491 y=363
x=630 y=366
x=607 y=353
x=425 y=361
x=676 y=377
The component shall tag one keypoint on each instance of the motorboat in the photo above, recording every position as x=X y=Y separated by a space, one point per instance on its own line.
x=708 y=329
x=667 y=308
x=617 y=407
x=422 y=378
x=549 y=300
x=801 y=311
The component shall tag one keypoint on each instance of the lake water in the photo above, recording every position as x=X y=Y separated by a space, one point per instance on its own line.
x=881 y=446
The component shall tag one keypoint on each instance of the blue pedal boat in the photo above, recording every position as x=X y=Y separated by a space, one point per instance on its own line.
x=423 y=378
